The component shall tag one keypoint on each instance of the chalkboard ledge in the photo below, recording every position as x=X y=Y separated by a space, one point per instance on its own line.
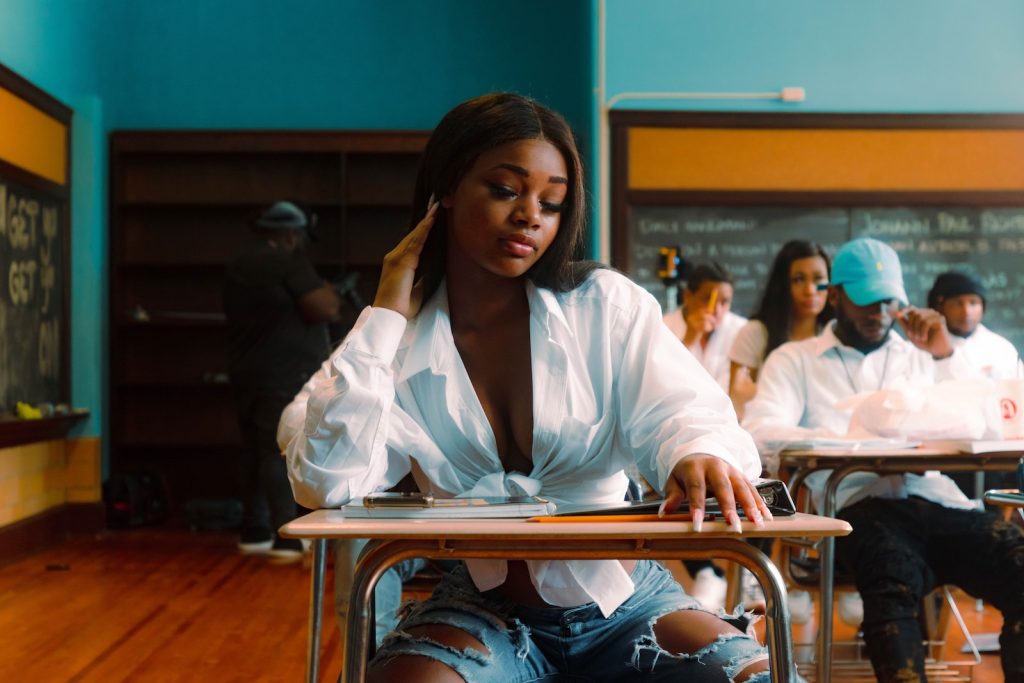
x=15 y=432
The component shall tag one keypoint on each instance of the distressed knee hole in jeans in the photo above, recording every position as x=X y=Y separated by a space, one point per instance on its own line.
x=492 y=632
x=732 y=652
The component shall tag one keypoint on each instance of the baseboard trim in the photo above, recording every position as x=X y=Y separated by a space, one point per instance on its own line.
x=50 y=527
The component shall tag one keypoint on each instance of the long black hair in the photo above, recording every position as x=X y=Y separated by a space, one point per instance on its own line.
x=775 y=310
x=479 y=125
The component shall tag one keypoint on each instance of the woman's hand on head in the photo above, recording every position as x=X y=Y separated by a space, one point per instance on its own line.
x=398 y=289
x=698 y=476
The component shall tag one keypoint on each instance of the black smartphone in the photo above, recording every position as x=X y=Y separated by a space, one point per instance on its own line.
x=408 y=499
x=775 y=494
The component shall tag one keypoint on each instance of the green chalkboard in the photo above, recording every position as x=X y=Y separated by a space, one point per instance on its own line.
x=986 y=241
x=33 y=302
x=744 y=239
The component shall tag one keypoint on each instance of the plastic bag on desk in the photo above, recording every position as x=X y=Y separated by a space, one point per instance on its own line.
x=956 y=409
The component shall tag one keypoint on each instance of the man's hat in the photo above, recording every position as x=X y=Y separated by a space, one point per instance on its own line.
x=955 y=283
x=282 y=216
x=869 y=271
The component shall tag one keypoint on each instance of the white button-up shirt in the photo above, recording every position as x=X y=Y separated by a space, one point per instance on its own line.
x=801 y=383
x=992 y=355
x=715 y=355
x=611 y=387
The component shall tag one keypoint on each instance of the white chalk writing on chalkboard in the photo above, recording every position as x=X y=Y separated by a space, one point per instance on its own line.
x=986 y=241
x=31 y=307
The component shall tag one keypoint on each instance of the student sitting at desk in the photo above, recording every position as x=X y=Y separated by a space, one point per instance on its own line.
x=706 y=325
x=705 y=322
x=491 y=364
x=792 y=308
x=910 y=533
x=960 y=298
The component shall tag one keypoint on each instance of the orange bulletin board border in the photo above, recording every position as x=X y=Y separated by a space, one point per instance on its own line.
x=34 y=130
x=826 y=160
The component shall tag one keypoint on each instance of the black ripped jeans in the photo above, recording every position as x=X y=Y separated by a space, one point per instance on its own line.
x=901 y=549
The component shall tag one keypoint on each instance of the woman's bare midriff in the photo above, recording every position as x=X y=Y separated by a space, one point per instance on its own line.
x=519 y=588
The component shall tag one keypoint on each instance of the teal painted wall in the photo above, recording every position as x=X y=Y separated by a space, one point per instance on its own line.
x=53 y=44
x=864 y=56
x=341 y=63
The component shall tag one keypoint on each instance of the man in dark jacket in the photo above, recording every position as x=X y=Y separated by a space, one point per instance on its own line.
x=277 y=309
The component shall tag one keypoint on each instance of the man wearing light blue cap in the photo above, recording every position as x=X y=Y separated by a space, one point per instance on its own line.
x=910 y=533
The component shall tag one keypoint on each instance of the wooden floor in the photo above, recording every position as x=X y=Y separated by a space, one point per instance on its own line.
x=155 y=606
x=164 y=605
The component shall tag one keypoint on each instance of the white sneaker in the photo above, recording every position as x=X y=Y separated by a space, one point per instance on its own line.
x=800 y=607
x=255 y=541
x=753 y=596
x=709 y=589
x=850 y=608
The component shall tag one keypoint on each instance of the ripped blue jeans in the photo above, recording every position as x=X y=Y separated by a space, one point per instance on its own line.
x=572 y=643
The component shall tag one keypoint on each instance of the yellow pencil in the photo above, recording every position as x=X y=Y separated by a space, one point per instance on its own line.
x=713 y=300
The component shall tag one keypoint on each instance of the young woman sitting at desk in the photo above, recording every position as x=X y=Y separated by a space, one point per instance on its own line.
x=791 y=308
x=492 y=364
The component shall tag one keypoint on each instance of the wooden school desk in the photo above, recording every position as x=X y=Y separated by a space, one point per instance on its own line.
x=844 y=461
x=400 y=539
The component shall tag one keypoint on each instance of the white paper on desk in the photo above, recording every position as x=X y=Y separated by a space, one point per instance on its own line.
x=839 y=444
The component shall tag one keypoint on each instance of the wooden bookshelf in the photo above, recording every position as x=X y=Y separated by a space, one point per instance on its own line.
x=181 y=205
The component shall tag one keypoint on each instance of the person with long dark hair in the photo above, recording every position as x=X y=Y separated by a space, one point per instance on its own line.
x=794 y=306
x=492 y=363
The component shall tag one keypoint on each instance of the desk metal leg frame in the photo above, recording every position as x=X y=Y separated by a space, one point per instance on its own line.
x=379 y=555
x=827 y=579
x=316 y=600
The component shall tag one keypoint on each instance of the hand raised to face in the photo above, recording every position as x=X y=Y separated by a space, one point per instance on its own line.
x=926 y=329
x=398 y=289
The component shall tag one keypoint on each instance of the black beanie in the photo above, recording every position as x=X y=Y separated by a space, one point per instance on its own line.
x=955 y=283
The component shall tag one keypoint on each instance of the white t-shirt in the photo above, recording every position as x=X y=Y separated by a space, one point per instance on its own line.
x=992 y=355
x=715 y=356
x=801 y=382
x=611 y=388
x=750 y=345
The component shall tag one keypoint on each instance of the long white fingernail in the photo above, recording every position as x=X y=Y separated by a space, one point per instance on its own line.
x=735 y=525
x=661 y=508
x=698 y=520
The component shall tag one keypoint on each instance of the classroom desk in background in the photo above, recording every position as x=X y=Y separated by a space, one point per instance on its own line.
x=397 y=539
x=843 y=462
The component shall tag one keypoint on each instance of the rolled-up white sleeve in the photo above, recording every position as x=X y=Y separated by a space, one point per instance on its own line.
x=670 y=406
x=335 y=432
